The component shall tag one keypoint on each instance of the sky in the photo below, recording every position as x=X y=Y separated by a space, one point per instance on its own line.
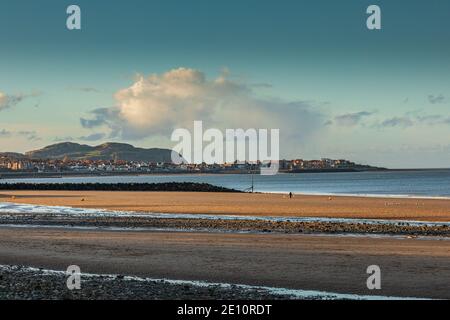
x=139 y=69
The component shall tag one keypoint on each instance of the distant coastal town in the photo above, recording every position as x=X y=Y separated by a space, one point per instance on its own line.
x=66 y=166
x=69 y=158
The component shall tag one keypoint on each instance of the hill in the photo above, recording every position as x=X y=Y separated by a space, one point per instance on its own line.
x=106 y=151
x=12 y=155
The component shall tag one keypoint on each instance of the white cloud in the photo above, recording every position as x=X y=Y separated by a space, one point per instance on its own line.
x=159 y=103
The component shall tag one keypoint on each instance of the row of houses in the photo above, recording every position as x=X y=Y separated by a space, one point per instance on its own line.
x=324 y=163
x=92 y=166
x=12 y=164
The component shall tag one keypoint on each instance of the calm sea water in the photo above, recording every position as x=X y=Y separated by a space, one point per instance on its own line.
x=414 y=183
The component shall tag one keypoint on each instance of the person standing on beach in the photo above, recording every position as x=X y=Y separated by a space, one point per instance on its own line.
x=290 y=195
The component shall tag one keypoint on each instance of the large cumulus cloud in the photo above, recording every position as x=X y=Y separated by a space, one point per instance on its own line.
x=159 y=103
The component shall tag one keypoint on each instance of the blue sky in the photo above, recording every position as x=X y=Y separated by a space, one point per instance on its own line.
x=379 y=97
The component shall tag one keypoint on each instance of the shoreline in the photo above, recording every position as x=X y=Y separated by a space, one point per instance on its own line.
x=58 y=175
x=323 y=194
x=36 y=183
x=240 y=204
x=361 y=195
x=5 y=175
x=33 y=216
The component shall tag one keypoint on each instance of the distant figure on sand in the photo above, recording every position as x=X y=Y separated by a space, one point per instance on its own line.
x=290 y=195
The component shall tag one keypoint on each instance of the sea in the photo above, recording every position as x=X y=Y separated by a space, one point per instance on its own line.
x=402 y=183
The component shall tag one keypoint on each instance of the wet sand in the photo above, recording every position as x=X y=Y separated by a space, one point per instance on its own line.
x=410 y=268
x=278 y=257
x=241 y=204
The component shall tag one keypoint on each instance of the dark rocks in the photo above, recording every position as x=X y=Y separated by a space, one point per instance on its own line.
x=227 y=225
x=25 y=284
x=166 y=186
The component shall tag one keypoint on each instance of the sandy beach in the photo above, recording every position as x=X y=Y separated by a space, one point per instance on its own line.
x=328 y=257
x=411 y=268
x=241 y=204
